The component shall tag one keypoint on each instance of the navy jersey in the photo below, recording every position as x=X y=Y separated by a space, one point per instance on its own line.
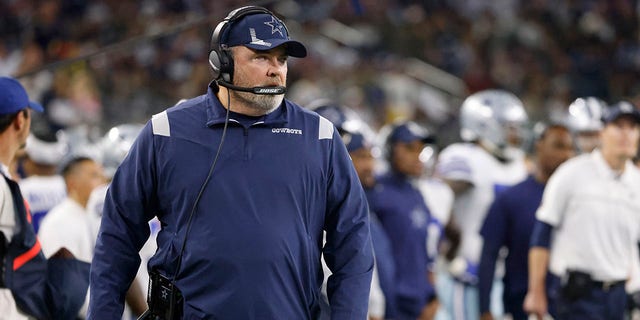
x=254 y=246
x=403 y=213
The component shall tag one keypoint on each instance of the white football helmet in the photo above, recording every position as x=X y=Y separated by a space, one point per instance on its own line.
x=496 y=118
x=584 y=119
x=585 y=114
x=116 y=144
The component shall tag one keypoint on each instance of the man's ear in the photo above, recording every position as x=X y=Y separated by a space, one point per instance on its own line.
x=21 y=120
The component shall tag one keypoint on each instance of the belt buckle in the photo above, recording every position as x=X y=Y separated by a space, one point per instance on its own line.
x=606 y=285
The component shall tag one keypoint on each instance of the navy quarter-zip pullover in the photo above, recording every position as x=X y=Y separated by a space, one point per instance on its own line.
x=254 y=245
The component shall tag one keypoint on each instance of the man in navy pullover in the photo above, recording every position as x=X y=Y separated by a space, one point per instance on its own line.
x=510 y=221
x=242 y=201
x=404 y=215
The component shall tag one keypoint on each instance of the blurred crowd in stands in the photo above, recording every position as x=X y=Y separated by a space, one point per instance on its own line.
x=143 y=56
x=96 y=65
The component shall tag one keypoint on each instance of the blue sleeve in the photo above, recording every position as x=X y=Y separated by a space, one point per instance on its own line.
x=494 y=230
x=123 y=230
x=541 y=235
x=348 y=250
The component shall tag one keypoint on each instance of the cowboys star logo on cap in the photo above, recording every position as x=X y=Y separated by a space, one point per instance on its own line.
x=275 y=26
x=262 y=32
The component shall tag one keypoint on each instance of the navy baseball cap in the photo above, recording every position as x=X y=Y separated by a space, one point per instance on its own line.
x=263 y=32
x=13 y=97
x=409 y=132
x=355 y=141
x=620 y=109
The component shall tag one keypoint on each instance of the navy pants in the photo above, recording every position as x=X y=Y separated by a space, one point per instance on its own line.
x=597 y=304
x=513 y=305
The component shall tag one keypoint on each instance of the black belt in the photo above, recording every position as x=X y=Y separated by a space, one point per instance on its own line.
x=607 y=285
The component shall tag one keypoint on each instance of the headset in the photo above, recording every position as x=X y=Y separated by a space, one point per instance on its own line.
x=220 y=58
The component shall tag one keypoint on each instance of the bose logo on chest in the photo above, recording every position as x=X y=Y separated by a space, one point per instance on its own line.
x=286 y=130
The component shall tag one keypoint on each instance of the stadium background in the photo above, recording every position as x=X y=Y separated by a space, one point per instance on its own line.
x=96 y=64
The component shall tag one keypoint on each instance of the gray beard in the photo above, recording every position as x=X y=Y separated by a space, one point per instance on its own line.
x=261 y=102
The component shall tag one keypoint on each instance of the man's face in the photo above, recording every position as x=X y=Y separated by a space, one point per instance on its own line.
x=620 y=137
x=555 y=148
x=364 y=163
x=86 y=177
x=586 y=141
x=514 y=134
x=254 y=68
x=406 y=158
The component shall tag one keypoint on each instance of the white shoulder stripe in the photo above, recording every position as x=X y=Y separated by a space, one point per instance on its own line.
x=160 y=124
x=325 y=129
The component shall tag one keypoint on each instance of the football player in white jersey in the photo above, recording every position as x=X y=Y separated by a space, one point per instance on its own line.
x=490 y=158
x=583 y=118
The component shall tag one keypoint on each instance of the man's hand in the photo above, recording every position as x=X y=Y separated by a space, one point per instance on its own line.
x=486 y=316
x=429 y=310
x=453 y=238
x=536 y=303
x=63 y=253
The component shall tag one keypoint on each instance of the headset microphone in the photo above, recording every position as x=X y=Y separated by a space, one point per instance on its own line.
x=267 y=90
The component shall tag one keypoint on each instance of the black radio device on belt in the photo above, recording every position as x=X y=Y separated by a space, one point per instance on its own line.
x=164 y=299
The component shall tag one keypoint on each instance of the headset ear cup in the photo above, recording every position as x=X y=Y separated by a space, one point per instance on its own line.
x=214 y=62
x=220 y=59
x=226 y=66
x=222 y=65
